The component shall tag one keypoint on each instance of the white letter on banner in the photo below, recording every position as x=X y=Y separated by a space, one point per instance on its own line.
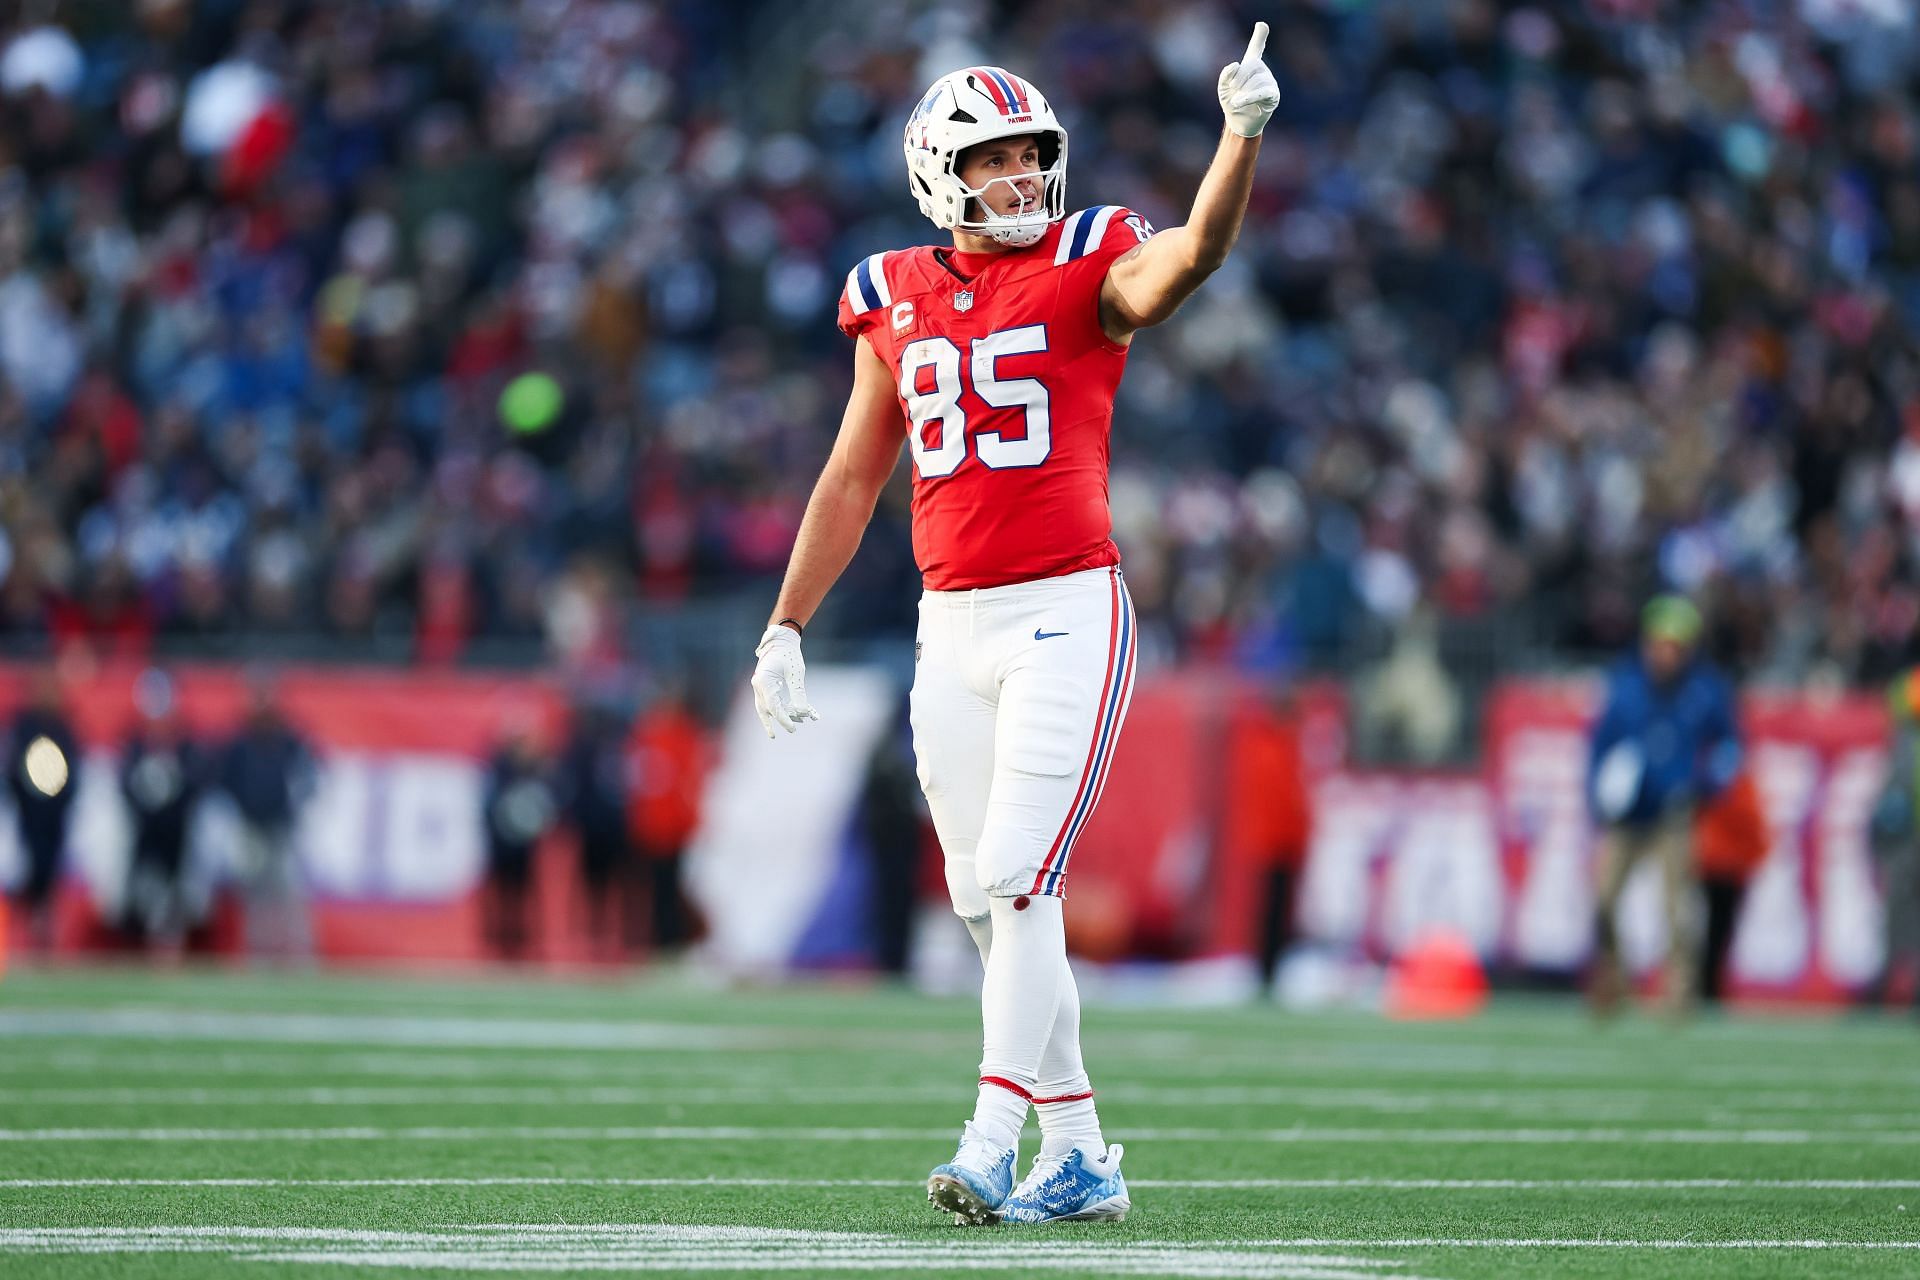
x=1543 y=772
x=1443 y=873
x=1774 y=942
x=1352 y=819
x=431 y=839
x=336 y=837
x=1852 y=936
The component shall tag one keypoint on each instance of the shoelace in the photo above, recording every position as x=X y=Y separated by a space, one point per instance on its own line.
x=1044 y=1167
x=975 y=1151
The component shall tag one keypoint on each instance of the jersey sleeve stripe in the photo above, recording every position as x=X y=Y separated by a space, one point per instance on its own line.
x=862 y=301
x=869 y=298
x=876 y=278
x=1100 y=221
x=1068 y=230
x=1084 y=234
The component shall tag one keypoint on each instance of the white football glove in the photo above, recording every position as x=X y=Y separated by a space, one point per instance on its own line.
x=1248 y=92
x=780 y=680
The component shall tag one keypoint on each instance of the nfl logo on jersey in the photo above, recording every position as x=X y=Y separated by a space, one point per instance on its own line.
x=963 y=300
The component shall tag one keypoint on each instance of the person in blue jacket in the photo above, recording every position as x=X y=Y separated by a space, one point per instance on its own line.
x=1666 y=741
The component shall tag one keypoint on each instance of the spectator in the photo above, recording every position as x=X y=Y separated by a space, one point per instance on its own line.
x=162 y=773
x=1269 y=816
x=43 y=766
x=1665 y=742
x=520 y=810
x=1730 y=841
x=669 y=757
x=894 y=824
x=1896 y=844
x=593 y=783
x=269 y=772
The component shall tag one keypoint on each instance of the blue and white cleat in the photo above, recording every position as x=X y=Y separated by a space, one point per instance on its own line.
x=1071 y=1188
x=974 y=1184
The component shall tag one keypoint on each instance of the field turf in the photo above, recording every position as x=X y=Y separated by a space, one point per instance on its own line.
x=229 y=1125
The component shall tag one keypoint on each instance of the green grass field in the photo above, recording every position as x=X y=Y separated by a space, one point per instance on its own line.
x=227 y=1125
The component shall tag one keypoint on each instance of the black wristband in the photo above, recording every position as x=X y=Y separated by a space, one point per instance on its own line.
x=791 y=622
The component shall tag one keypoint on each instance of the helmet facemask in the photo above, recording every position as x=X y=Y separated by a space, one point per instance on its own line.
x=1026 y=226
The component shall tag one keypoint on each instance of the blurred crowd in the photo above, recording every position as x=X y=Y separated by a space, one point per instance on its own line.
x=441 y=323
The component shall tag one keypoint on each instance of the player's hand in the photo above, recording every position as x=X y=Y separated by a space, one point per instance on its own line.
x=1248 y=92
x=780 y=681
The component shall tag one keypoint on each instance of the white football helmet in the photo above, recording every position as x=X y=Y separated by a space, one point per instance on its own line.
x=976 y=105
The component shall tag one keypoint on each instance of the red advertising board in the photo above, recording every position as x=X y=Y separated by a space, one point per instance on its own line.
x=391 y=844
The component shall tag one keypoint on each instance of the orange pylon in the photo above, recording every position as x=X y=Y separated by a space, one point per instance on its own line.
x=1439 y=976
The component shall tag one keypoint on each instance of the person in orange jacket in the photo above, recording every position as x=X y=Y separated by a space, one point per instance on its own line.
x=1730 y=841
x=1269 y=816
x=668 y=757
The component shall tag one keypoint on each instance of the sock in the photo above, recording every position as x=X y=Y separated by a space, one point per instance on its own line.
x=999 y=1114
x=1063 y=1096
x=1018 y=1002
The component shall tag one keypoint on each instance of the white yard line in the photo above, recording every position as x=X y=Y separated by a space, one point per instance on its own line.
x=1547 y=1242
x=334 y=1029
x=523 y=1247
x=777 y=1133
x=276 y=1054
x=427 y=1030
x=1589 y=1106
x=1180 y=1184
x=440 y=1063
x=751 y=1238
x=681 y=1249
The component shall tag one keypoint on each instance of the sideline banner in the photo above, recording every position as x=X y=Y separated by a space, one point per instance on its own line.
x=1504 y=857
x=391 y=843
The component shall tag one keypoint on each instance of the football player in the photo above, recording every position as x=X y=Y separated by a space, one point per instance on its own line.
x=997 y=358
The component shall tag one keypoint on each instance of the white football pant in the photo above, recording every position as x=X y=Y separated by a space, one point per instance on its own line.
x=1017 y=702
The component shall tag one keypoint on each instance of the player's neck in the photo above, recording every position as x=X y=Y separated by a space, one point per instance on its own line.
x=968 y=242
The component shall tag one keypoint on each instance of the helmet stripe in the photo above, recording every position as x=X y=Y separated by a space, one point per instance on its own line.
x=1019 y=86
x=992 y=87
x=1006 y=84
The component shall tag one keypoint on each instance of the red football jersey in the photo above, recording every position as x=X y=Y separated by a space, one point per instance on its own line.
x=1006 y=391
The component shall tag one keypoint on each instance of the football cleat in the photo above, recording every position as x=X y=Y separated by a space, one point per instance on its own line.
x=974 y=1184
x=1070 y=1188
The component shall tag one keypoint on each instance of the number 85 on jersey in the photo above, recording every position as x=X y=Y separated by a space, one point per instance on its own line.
x=931 y=386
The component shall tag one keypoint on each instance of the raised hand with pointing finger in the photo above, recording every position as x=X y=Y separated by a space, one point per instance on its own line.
x=1248 y=92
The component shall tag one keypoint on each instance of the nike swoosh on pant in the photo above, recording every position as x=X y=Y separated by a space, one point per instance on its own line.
x=1038 y=634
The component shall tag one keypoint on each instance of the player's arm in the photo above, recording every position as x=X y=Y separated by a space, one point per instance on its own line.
x=843 y=498
x=863 y=457
x=1147 y=284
